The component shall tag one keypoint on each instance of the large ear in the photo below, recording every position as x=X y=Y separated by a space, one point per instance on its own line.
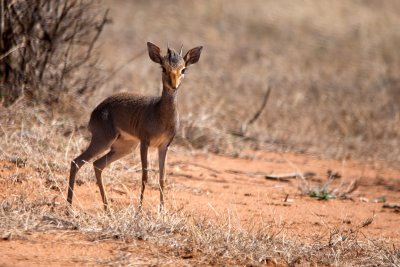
x=154 y=52
x=193 y=55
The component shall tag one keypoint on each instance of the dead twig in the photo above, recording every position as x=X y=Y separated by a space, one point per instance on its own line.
x=292 y=175
x=257 y=113
x=391 y=206
x=333 y=174
x=285 y=177
x=246 y=173
x=367 y=222
x=184 y=175
x=15 y=48
x=179 y=162
x=350 y=189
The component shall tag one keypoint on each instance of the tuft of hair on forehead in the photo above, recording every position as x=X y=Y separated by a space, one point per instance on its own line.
x=173 y=58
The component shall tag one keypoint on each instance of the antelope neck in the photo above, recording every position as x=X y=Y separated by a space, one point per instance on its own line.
x=168 y=102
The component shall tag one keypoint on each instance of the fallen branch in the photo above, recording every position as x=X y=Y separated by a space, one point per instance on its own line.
x=277 y=177
x=184 y=175
x=180 y=162
x=292 y=175
x=246 y=173
x=391 y=206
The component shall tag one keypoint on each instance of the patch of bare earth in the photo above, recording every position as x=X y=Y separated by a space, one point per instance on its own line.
x=66 y=248
x=231 y=192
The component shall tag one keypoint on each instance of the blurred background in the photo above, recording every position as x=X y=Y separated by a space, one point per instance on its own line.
x=333 y=68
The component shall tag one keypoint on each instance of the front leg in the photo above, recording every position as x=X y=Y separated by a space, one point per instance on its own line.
x=162 y=154
x=143 y=156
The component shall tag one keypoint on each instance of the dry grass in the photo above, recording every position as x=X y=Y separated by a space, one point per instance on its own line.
x=189 y=236
x=326 y=190
x=199 y=238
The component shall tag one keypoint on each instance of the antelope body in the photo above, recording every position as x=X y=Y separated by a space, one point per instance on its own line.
x=122 y=121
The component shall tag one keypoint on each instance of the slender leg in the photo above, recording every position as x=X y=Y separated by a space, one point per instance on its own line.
x=143 y=156
x=118 y=150
x=162 y=154
x=95 y=148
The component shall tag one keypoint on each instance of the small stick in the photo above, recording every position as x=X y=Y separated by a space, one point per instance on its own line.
x=246 y=173
x=391 y=206
x=286 y=198
x=15 y=48
x=292 y=175
x=258 y=112
x=179 y=162
x=281 y=177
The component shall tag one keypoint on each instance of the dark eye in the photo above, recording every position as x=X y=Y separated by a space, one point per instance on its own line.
x=183 y=71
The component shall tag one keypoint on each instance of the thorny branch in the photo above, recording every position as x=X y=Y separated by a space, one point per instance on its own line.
x=47 y=48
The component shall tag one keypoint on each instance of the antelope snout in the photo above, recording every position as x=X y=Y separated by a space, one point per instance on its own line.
x=175 y=80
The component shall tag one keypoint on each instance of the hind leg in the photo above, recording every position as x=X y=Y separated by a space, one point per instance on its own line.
x=162 y=155
x=95 y=148
x=143 y=157
x=119 y=149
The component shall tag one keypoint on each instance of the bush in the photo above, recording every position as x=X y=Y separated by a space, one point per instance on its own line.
x=46 y=48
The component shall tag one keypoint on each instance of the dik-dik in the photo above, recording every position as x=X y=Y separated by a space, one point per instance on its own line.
x=122 y=121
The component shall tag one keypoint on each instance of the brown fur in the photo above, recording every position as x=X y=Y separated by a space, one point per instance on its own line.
x=122 y=121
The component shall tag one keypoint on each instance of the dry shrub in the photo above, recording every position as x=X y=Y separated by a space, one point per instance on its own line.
x=326 y=190
x=46 y=49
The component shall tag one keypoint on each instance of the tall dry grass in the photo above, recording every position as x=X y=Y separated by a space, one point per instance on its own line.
x=333 y=67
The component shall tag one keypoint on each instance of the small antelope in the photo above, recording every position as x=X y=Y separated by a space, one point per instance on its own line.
x=121 y=121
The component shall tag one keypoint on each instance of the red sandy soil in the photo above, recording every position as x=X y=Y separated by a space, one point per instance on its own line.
x=220 y=188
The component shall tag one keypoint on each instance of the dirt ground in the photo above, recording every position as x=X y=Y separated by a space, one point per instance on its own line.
x=220 y=188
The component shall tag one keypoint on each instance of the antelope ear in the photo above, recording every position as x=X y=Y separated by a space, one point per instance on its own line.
x=154 y=52
x=193 y=55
